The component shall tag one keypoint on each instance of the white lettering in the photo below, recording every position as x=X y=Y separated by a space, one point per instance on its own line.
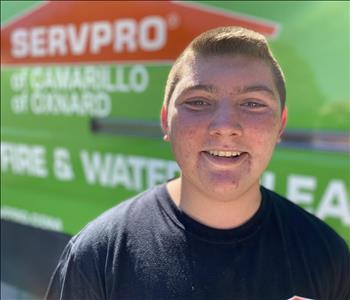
x=73 y=104
x=19 y=43
x=35 y=77
x=137 y=164
x=18 y=80
x=56 y=38
x=78 y=41
x=122 y=86
x=120 y=173
x=300 y=189
x=96 y=168
x=107 y=78
x=23 y=159
x=335 y=202
x=31 y=218
x=155 y=172
x=125 y=35
x=38 y=40
x=130 y=172
x=172 y=170
x=19 y=103
x=268 y=180
x=101 y=35
x=138 y=78
x=62 y=77
x=62 y=167
x=152 y=33
x=122 y=35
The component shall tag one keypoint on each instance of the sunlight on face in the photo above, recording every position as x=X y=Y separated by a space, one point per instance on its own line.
x=224 y=120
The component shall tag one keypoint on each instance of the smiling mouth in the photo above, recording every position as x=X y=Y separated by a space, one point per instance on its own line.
x=224 y=158
x=224 y=153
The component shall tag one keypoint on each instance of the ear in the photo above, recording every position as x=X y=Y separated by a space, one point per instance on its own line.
x=164 y=123
x=283 y=123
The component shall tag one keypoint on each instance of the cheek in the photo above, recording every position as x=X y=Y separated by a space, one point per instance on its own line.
x=186 y=136
x=183 y=126
x=264 y=130
x=183 y=139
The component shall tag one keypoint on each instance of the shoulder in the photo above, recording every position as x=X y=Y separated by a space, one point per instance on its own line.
x=114 y=225
x=305 y=230
x=298 y=219
x=98 y=247
x=311 y=240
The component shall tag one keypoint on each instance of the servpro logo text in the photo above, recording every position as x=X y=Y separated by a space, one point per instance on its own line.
x=69 y=32
x=128 y=35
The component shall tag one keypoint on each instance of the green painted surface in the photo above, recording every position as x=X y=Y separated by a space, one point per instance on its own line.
x=12 y=9
x=50 y=154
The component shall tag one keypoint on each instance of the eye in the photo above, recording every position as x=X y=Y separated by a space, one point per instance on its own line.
x=197 y=103
x=253 y=105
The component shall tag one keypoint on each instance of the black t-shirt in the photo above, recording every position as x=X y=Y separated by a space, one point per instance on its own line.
x=146 y=248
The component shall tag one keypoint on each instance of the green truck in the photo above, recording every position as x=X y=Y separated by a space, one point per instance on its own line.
x=81 y=89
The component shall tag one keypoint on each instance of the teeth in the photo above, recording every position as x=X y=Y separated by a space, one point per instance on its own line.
x=224 y=153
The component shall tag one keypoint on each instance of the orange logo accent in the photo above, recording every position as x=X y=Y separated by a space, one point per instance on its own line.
x=113 y=31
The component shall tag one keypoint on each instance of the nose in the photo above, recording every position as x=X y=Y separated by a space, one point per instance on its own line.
x=226 y=121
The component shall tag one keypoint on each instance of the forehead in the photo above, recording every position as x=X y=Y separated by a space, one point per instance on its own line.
x=225 y=73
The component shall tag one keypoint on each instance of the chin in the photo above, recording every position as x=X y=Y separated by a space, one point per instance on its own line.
x=224 y=187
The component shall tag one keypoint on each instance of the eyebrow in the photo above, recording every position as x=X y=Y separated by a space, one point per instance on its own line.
x=241 y=90
x=256 y=88
x=200 y=87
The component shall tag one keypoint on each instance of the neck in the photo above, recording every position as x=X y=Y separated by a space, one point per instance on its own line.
x=211 y=211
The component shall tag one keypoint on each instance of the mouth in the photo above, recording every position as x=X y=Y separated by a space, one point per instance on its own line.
x=220 y=157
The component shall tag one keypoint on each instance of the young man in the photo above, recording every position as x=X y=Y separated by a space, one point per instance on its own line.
x=214 y=232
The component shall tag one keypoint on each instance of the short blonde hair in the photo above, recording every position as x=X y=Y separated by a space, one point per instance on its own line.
x=227 y=41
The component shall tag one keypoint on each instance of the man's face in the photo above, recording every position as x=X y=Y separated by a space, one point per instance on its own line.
x=224 y=120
